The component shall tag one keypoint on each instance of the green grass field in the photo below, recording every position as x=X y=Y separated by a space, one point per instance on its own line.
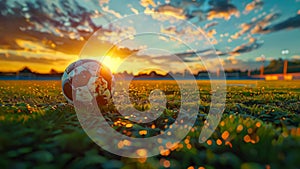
x=260 y=128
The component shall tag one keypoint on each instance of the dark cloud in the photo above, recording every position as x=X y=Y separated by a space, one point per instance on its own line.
x=256 y=25
x=200 y=14
x=222 y=9
x=189 y=57
x=192 y=9
x=196 y=56
x=211 y=24
x=262 y=24
x=253 y=44
x=290 y=23
x=248 y=47
x=64 y=25
x=192 y=56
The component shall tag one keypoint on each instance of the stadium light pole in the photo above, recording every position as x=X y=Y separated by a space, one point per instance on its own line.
x=263 y=58
x=285 y=63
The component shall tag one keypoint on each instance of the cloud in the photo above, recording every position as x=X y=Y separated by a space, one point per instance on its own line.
x=245 y=27
x=147 y=3
x=194 y=60
x=190 y=9
x=260 y=59
x=183 y=9
x=185 y=33
x=200 y=14
x=42 y=60
x=256 y=25
x=189 y=56
x=211 y=33
x=187 y=30
x=103 y=2
x=177 y=12
x=135 y=11
x=121 y=52
x=193 y=56
x=222 y=9
x=52 y=29
x=262 y=24
x=255 y=4
x=110 y=11
x=34 y=52
x=290 y=23
x=60 y=25
x=211 y=24
x=296 y=57
x=247 y=47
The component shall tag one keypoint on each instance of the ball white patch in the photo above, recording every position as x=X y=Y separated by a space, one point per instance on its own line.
x=83 y=94
x=92 y=84
x=92 y=67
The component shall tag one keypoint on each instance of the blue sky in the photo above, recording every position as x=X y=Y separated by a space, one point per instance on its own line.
x=51 y=34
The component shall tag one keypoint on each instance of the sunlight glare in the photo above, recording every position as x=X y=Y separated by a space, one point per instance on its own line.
x=112 y=63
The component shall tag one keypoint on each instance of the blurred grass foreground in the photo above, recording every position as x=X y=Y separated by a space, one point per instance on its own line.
x=260 y=128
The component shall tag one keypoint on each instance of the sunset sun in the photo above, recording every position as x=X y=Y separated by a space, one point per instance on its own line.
x=112 y=63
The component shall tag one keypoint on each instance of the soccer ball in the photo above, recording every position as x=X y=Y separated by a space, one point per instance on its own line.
x=87 y=79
